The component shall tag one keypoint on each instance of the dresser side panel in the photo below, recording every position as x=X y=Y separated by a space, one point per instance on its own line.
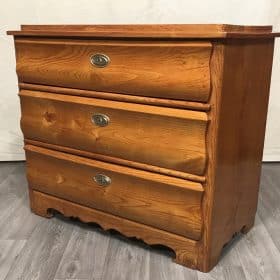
x=237 y=130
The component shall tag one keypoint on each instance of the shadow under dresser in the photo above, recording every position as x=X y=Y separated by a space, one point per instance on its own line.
x=155 y=131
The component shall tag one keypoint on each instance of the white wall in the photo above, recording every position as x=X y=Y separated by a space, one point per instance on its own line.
x=13 y=13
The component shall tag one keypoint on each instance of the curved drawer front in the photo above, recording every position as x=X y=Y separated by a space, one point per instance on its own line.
x=168 y=70
x=163 y=137
x=157 y=200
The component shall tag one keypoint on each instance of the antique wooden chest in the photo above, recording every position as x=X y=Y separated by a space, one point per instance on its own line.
x=156 y=131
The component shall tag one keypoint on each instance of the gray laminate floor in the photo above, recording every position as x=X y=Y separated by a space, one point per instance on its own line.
x=32 y=247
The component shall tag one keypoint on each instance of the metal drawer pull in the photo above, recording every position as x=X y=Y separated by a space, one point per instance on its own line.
x=100 y=119
x=99 y=60
x=102 y=180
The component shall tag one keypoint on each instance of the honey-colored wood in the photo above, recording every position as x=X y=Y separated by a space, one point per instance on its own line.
x=176 y=173
x=190 y=28
x=137 y=165
x=178 y=143
x=197 y=106
x=235 y=142
x=167 y=70
x=163 y=202
x=185 y=249
x=170 y=31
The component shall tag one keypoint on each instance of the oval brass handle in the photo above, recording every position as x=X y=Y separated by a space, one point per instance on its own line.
x=100 y=119
x=102 y=180
x=99 y=60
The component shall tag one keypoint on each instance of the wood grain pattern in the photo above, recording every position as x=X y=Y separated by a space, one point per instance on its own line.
x=161 y=268
x=169 y=31
x=87 y=254
x=9 y=251
x=14 y=205
x=42 y=253
x=224 y=81
x=171 y=103
x=137 y=263
x=238 y=116
x=137 y=68
x=137 y=165
x=217 y=68
x=157 y=200
x=84 y=255
x=191 y=28
x=268 y=202
x=164 y=137
x=186 y=249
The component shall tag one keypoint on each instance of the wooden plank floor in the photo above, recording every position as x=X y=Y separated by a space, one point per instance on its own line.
x=32 y=247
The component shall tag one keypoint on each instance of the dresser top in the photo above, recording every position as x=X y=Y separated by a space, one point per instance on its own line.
x=164 y=31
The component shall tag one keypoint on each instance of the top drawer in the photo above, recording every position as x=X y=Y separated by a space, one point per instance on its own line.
x=175 y=70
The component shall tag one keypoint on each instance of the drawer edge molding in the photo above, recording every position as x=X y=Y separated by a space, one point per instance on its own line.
x=159 y=178
x=186 y=250
x=139 y=108
x=114 y=160
x=174 y=103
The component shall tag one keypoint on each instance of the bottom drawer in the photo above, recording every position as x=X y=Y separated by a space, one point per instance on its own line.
x=168 y=203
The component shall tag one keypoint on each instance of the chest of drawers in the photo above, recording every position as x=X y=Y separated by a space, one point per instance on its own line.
x=155 y=131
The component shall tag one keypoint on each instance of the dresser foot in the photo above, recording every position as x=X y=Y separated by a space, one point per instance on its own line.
x=184 y=259
x=38 y=207
x=206 y=264
x=248 y=227
x=190 y=259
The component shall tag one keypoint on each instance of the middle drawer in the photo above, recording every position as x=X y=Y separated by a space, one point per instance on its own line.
x=164 y=137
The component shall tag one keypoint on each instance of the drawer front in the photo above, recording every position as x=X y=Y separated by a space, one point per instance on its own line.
x=157 y=200
x=162 y=137
x=167 y=70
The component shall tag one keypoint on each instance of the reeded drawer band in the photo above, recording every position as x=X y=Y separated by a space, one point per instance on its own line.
x=133 y=164
x=171 y=103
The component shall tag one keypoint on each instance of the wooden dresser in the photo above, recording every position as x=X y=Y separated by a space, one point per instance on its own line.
x=155 y=131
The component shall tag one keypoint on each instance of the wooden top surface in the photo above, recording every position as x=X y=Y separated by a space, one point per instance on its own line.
x=168 y=31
